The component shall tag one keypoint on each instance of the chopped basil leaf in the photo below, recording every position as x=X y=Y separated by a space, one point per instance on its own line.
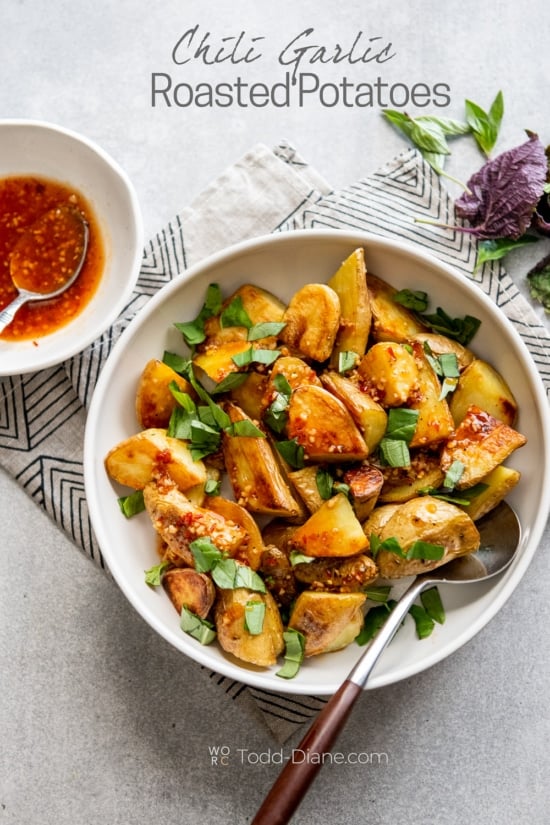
x=230 y=574
x=378 y=593
x=255 y=356
x=276 y=415
x=462 y=498
x=425 y=550
x=295 y=557
x=230 y=382
x=254 y=614
x=205 y=554
x=196 y=627
x=324 y=482
x=374 y=619
x=341 y=487
x=205 y=439
x=346 y=360
x=281 y=385
x=132 y=504
x=432 y=604
x=449 y=365
x=424 y=624
x=391 y=544
x=412 y=299
x=395 y=453
x=294 y=653
x=177 y=362
x=459 y=329
x=193 y=331
x=495 y=249
x=401 y=423
x=245 y=429
x=292 y=452
x=265 y=330
x=235 y=315
x=153 y=576
x=212 y=487
x=453 y=475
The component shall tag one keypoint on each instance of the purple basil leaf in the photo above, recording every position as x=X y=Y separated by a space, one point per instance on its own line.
x=504 y=192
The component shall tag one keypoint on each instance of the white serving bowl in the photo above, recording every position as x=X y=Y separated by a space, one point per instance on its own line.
x=282 y=263
x=35 y=148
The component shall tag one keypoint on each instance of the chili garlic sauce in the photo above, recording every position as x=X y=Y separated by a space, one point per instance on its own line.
x=23 y=200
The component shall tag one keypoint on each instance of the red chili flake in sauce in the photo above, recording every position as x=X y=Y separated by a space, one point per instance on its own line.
x=23 y=200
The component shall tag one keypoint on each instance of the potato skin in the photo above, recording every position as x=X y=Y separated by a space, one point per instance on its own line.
x=343 y=575
x=322 y=425
x=229 y=616
x=186 y=587
x=312 y=321
x=328 y=621
x=154 y=401
x=425 y=519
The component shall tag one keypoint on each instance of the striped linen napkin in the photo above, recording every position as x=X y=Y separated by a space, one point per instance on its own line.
x=42 y=415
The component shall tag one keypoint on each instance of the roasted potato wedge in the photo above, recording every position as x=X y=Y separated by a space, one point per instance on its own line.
x=254 y=473
x=350 y=284
x=322 y=425
x=250 y=394
x=390 y=320
x=390 y=374
x=368 y=414
x=429 y=520
x=441 y=345
x=482 y=385
x=365 y=483
x=179 y=522
x=186 y=587
x=500 y=482
x=136 y=460
x=305 y=482
x=435 y=422
x=481 y=442
x=403 y=483
x=378 y=518
x=328 y=621
x=312 y=321
x=278 y=575
x=216 y=361
x=260 y=649
x=296 y=372
x=154 y=401
x=259 y=304
x=333 y=530
x=250 y=550
x=342 y=575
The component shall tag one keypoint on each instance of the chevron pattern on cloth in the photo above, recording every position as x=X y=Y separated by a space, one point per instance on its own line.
x=42 y=415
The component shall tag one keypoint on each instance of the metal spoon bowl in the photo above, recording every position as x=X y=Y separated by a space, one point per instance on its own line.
x=500 y=538
x=54 y=246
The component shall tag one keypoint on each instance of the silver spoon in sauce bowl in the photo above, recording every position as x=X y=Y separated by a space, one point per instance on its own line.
x=500 y=538
x=47 y=258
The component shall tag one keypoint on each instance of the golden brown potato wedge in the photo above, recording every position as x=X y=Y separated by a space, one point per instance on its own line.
x=328 y=621
x=482 y=385
x=429 y=520
x=179 y=522
x=378 y=518
x=254 y=473
x=278 y=575
x=154 y=401
x=186 y=587
x=403 y=483
x=312 y=321
x=296 y=372
x=368 y=414
x=481 y=443
x=259 y=304
x=250 y=394
x=350 y=284
x=390 y=320
x=435 y=422
x=260 y=649
x=135 y=461
x=365 y=483
x=252 y=547
x=342 y=575
x=441 y=345
x=500 y=482
x=279 y=533
x=305 y=483
x=390 y=373
x=322 y=425
x=333 y=530
x=216 y=361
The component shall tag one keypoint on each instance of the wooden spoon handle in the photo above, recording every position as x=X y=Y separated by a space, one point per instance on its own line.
x=299 y=772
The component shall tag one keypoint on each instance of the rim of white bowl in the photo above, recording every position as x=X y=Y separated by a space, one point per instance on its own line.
x=117 y=306
x=503 y=587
